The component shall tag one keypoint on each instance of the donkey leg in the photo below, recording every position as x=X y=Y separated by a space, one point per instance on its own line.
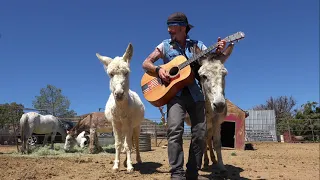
x=136 y=134
x=128 y=147
x=217 y=146
x=205 y=155
x=124 y=151
x=118 y=143
x=210 y=145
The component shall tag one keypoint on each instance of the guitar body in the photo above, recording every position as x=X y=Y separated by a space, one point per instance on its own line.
x=159 y=93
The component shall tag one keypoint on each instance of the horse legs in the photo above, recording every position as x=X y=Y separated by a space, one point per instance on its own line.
x=45 y=139
x=27 y=135
x=92 y=140
x=25 y=144
x=53 y=135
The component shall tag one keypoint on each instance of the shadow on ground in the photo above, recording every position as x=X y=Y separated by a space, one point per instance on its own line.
x=233 y=172
x=147 y=167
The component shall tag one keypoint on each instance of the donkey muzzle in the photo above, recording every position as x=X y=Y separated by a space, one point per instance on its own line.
x=219 y=107
x=119 y=95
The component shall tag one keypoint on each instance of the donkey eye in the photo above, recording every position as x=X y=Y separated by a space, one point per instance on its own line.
x=111 y=74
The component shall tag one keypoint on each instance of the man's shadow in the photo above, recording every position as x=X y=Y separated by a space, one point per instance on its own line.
x=233 y=172
x=147 y=167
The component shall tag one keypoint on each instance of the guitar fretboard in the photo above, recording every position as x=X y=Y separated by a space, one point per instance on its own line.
x=234 y=37
x=196 y=57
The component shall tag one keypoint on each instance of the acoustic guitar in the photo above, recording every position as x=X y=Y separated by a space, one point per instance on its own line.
x=158 y=92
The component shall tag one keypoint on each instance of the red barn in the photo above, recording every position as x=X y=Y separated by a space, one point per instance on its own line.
x=233 y=129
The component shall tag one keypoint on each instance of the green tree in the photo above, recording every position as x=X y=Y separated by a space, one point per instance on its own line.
x=309 y=110
x=307 y=120
x=52 y=99
x=10 y=113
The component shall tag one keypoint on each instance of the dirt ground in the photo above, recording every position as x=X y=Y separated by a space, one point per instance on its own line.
x=266 y=161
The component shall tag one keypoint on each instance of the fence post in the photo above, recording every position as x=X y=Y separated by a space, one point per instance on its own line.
x=289 y=130
x=155 y=134
x=14 y=131
x=312 y=130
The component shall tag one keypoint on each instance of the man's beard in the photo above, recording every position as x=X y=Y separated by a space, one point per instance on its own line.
x=173 y=37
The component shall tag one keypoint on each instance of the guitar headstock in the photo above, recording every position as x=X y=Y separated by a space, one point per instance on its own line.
x=235 y=37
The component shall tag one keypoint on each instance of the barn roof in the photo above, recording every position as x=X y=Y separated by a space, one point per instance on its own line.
x=232 y=108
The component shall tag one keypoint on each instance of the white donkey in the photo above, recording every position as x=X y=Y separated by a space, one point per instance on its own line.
x=124 y=108
x=33 y=122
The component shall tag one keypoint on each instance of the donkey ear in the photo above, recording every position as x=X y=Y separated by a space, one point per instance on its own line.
x=195 y=49
x=128 y=54
x=104 y=59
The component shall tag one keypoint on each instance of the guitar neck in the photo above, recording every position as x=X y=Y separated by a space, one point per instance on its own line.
x=234 y=37
x=197 y=56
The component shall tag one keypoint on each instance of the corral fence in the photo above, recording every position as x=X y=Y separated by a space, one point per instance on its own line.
x=286 y=130
x=283 y=130
x=299 y=130
x=153 y=127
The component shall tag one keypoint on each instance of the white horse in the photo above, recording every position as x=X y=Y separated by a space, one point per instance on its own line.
x=33 y=122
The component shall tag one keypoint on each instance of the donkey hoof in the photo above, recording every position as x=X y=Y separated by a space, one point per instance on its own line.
x=115 y=169
x=138 y=159
x=130 y=170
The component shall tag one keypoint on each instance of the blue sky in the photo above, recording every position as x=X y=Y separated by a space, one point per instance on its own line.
x=54 y=42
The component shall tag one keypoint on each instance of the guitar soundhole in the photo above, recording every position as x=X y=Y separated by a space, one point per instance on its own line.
x=173 y=71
